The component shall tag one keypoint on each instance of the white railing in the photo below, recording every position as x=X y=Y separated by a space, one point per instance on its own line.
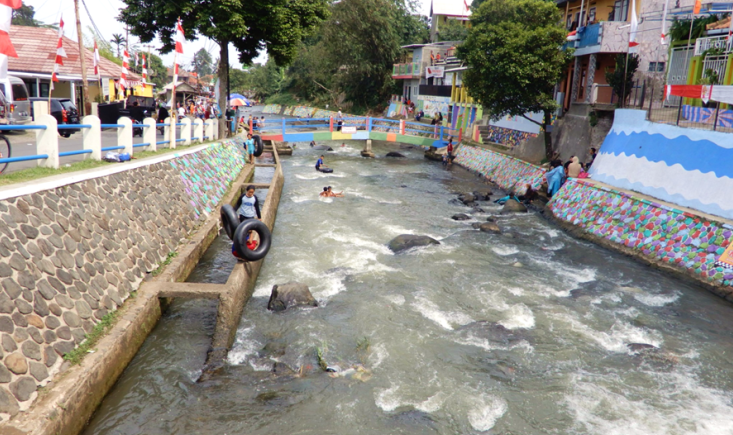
x=47 y=137
x=720 y=42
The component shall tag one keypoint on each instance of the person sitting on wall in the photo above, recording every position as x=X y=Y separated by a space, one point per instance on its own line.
x=593 y=154
x=574 y=168
x=555 y=177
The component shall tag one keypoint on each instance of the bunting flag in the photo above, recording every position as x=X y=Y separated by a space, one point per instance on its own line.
x=6 y=47
x=96 y=60
x=180 y=37
x=634 y=26
x=698 y=6
x=60 y=54
x=123 y=76
x=145 y=71
x=664 y=22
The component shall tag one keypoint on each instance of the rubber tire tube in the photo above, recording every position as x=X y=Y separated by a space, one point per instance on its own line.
x=240 y=240
x=326 y=170
x=259 y=146
x=229 y=220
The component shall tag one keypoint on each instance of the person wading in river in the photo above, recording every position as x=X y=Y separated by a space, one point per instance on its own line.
x=249 y=146
x=320 y=165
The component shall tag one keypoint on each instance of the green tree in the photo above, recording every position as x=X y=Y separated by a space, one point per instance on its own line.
x=514 y=58
x=453 y=30
x=202 y=63
x=238 y=80
x=249 y=25
x=615 y=78
x=118 y=40
x=362 y=44
x=157 y=71
x=25 y=16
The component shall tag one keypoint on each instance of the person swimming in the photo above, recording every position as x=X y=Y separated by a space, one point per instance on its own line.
x=320 y=165
x=329 y=193
x=313 y=143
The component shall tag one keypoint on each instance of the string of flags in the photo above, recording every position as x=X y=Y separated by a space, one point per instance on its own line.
x=6 y=46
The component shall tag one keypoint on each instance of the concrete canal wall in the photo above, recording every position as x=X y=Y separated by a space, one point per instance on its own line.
x=655 y=233
x=73 y=250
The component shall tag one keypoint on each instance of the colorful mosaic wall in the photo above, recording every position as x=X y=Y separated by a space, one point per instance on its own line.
x=506 y=136
x=502 y=170
x=206 y=175
x=302 y=111
x=272 y=108
x=659 y=232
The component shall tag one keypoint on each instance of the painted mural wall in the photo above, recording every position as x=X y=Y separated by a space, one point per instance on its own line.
x=688 y=167
x=507 y=172
x=660 y=233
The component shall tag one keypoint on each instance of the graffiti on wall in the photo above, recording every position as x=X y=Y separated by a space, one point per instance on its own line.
x=272 y=108
x=508 y=173
x=506 y=136
x=704 y=115
x=678 y=238
x=684 y=166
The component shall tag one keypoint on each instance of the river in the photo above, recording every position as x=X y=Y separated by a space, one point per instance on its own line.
x=525 y=332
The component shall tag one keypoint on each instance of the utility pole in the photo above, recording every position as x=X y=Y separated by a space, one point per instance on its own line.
x=127 y=38
x=87 y=103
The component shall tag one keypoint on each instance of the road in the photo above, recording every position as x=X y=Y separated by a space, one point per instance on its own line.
x=24 y=144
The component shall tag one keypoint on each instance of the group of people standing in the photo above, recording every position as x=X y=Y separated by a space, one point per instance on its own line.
x=202 y=109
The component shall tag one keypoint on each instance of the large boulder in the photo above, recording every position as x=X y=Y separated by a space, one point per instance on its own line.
x=466 y=198
x=406 y=241
x=482 y=195
x=290 y=295
x=487 y=227
x=460 y=217
x=514 y=206
x=394 y=154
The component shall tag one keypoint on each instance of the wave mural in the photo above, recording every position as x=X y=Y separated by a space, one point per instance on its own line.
x=690 y=168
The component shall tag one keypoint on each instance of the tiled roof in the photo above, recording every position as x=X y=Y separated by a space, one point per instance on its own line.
x=36 y=48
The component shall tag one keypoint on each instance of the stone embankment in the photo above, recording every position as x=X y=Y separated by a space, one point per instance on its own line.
x=662 y=235
x=72 y=254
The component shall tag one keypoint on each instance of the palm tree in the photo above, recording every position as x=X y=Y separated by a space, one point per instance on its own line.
x=117 y=40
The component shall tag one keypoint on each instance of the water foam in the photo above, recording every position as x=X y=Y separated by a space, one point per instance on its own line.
x=504 y=250
x=656 y=300
x=430 y=311
x=486 y=410
x=617 y=337
x=518 y=316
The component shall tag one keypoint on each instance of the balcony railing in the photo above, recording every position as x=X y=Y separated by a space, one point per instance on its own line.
x=714 y=42
x=406 y=70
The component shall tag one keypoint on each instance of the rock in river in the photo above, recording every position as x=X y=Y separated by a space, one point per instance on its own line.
x=460 y=217
x=323 y=148
x=487 y=227
x=394 y=154
x=290 y=295
x=466 y=198
x=514 y=206
x=482 y=195
x=406 y=241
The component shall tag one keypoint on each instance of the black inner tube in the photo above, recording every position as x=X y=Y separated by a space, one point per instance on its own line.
x=240 y=240
x=229 y=220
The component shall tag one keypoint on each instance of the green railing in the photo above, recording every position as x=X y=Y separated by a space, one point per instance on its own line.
x=406 y=69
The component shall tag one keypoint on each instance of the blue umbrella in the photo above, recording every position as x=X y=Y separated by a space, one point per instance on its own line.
x=232 y=96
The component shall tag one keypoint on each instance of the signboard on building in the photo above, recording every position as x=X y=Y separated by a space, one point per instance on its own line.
x=348 y=130
x=105 y=88
x=435 y=71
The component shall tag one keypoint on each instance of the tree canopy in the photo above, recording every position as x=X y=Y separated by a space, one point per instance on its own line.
x=514 y=58
x=202 y=63
x=277 y=26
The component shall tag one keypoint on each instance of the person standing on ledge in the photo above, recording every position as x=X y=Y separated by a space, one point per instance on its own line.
x=449 y=151
x=249 y=147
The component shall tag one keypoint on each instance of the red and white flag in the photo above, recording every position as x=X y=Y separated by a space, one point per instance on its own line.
x=96 y=60
x=60 y=54
x=145 y=71
x=664 y=22
x=180 y=38
x=6 y=47
x=634 y=26
x=123 y=76
x=465 y=3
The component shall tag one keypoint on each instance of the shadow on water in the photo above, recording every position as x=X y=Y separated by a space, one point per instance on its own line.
x=525 y=332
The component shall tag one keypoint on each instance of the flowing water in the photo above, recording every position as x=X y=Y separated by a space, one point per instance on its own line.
x=527 y=332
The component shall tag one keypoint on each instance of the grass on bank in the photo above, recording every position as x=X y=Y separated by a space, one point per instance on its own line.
x=32 y=174
x=101 y=328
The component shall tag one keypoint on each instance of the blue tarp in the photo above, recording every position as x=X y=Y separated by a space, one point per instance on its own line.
x=440 y=143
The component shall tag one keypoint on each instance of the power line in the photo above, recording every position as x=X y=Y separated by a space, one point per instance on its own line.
x=94 y=25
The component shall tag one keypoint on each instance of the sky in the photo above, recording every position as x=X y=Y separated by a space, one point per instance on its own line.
x=104 y=13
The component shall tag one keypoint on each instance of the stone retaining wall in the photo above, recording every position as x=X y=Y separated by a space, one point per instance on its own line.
x=73 y=254
x=660 y=234
x=507 y=172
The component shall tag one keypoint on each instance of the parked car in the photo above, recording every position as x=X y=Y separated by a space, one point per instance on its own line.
x=18 y=106
x=64 y=111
